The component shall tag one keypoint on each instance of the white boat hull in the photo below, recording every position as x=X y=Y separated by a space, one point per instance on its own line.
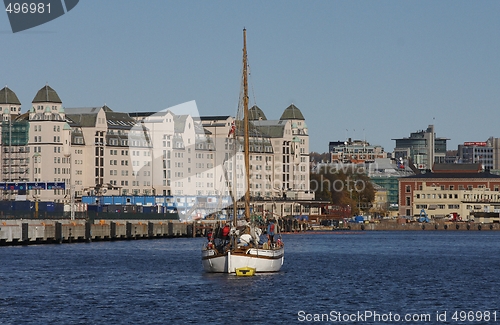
x=263 y=260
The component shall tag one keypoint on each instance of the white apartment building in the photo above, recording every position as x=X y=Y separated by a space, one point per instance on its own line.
x=97 y=151
x=36 y=145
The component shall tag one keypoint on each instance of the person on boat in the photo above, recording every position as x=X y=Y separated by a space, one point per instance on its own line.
x=225 y=233
x=210 y=235
x=210 y=238
x=270 y=233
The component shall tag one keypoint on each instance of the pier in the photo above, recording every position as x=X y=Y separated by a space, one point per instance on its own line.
x=50 y=231
x=34 y=231
x=433 y=226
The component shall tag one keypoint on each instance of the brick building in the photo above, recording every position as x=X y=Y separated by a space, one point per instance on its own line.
x=451 y=188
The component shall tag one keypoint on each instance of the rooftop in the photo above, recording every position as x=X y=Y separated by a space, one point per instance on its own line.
x=255 y=113
x=454 y=168
x=453 y=175
x=7 y=96
x=292 y=113
x=47 y=95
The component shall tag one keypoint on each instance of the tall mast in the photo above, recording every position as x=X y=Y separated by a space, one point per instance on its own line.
x=245 y=121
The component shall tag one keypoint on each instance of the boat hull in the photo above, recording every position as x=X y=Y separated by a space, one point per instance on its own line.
x=263 y=260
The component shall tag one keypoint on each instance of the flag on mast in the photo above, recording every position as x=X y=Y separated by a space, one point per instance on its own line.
x=232 y=129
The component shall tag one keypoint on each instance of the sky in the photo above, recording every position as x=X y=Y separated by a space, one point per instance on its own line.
x=374 y=70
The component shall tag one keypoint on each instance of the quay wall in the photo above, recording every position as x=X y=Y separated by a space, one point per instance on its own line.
x=415 y=226
x=33 y=231
x=36 y=231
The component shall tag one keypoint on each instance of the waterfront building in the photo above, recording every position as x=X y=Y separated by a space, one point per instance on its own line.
x=355 y=152
x=451 y=157
x=36 y=143
x=98 y=151
x=289 y=139
x=451 y=188
x=386 y=173
x=279 y=152
x=380 y=205
x=476 y=152
x=14 y=138
x=422 y=148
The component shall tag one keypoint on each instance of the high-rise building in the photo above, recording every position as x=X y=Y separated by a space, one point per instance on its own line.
x=476 y=153
x=423 y=148
x=495 y=143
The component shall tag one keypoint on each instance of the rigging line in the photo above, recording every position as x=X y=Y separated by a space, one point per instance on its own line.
x=251 y=83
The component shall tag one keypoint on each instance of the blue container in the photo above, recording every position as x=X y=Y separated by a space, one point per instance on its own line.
x=51 y=207
x=149 y=200
x=107 y=200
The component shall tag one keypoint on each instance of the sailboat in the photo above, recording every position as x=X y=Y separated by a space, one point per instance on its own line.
x=240 y=250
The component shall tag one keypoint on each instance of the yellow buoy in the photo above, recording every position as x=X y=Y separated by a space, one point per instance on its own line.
x=245 y=271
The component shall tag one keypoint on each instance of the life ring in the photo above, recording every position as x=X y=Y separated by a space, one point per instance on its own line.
x=457 y=226
x=362 y=227
x=468 y=227
x=479 y=227
x=445 y=227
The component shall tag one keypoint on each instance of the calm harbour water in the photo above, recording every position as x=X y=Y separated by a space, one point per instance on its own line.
x=162 y=281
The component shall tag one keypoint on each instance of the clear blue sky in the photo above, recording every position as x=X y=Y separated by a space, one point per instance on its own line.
x=381 y=68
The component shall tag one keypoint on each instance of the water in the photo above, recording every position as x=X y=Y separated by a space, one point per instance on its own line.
x=162 y=282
